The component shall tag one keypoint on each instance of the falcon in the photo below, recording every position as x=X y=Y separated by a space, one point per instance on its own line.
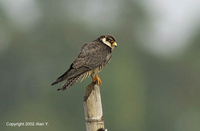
x=93 y=57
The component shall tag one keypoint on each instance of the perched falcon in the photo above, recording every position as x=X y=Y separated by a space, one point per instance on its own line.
x=93 y=57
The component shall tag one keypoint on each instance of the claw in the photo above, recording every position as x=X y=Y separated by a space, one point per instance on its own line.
x=96 y=79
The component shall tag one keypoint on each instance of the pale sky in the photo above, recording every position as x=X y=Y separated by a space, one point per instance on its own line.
x=172 y=24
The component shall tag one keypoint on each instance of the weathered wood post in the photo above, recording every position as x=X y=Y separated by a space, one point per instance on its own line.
x=93 y=108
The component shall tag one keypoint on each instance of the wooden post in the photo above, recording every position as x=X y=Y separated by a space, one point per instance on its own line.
x=93 y=108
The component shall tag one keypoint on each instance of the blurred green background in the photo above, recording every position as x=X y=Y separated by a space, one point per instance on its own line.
x=151 y=84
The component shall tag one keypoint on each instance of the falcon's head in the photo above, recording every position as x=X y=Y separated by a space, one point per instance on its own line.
x=108 y=40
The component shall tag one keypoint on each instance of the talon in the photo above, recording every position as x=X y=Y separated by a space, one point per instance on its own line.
x=93 y=78
x=98 y=80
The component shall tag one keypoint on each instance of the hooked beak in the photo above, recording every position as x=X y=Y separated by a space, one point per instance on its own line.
x=114 y=44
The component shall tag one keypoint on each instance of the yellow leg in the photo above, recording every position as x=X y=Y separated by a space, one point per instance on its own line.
x=93 y=78
x=96 y=79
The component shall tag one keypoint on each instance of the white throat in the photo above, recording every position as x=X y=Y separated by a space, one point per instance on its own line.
x=106 y=42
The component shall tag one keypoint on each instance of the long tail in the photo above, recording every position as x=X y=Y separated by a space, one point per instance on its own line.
x=69 y=82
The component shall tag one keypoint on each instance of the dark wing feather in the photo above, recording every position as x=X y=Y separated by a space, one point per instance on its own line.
x=70 y=73
x=92 y=55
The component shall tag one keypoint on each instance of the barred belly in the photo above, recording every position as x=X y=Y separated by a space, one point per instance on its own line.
x=91 y=72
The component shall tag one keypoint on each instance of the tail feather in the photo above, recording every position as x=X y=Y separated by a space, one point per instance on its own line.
x=69 y=83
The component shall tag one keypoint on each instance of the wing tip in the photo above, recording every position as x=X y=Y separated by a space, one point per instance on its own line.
x=54 y=83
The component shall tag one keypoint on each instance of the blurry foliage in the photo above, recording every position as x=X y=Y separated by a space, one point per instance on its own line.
x=140 y=91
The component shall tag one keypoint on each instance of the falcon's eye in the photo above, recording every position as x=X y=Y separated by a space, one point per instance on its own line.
x=110 y=41
x=107 y=39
